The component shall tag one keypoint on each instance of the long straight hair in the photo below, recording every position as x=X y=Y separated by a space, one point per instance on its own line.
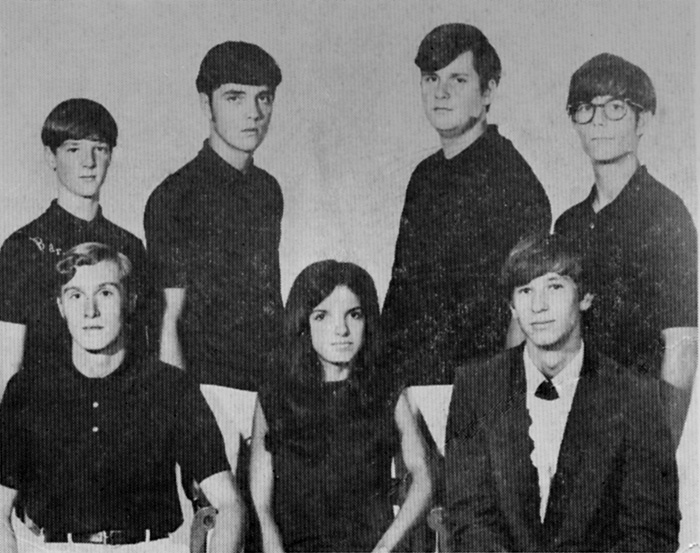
x=314 y=284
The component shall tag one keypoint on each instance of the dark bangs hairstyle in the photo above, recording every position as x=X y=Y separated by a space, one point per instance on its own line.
x=313 y=285
x=538 y=255
x=79 y=119
x=610 y=75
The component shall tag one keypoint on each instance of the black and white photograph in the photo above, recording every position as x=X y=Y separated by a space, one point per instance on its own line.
x=349 y=276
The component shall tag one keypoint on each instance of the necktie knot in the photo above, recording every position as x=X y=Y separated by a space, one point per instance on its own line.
x=546 y=390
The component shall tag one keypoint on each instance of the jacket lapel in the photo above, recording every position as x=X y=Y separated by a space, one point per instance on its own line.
x=589 y=441
x=511 y=447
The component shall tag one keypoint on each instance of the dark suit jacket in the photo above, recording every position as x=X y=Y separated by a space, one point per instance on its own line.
x=616 y=486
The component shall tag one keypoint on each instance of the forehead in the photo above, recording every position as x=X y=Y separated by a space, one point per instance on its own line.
x=464 y=63
x=340 y=296
x=546 y=278
x=238 y=87
x=94 y=276
x=80 y=142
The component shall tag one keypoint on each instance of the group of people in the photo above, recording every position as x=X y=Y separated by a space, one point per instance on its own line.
x=119 y=362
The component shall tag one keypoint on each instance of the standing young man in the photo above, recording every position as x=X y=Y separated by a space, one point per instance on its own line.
x=79 y=136
x=91 y=447
x=552 y=446
x=638 y=236
x=465 y=208
x=213 y=231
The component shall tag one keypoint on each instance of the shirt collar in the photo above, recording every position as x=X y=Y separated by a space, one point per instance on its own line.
x=633 y=186
x=216 y=165
x=569 y=374
x=66 y=219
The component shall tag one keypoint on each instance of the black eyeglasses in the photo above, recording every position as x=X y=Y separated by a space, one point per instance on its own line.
x=614 y=110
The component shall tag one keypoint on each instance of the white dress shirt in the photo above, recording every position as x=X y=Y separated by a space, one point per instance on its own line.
x=549 y=418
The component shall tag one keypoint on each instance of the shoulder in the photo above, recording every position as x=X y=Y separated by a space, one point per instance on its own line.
x=482 y=380
x=570 y=216
x=176 y=184
x=27 y=241
x=666 y=203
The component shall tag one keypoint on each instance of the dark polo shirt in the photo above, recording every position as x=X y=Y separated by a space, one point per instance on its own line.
x=642 y=258
x=460 y=219
x=29 y=281
x=92 y=454
x=215 y=232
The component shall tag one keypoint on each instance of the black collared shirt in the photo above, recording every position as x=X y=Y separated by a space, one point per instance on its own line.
x=460 y=219
x=92 y=454
x=641 y=252
x=29 y=281
x=215 y=232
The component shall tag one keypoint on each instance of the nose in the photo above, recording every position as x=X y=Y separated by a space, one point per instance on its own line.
x=598 y=115
x=90 y=308
x=540 y=301
x=341 y=327
x=254 y=111
x=441 y=89
x=88 y=158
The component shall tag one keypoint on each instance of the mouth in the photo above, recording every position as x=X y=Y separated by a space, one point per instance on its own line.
x=342 y=344
x=541 y=325
x=250 y=131
x=93 y=327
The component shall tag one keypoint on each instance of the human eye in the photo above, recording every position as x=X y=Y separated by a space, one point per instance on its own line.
x=318 y=316
x=429 y=78
x=235 y=97
x=556 y=286
x=357 y=314
x=616 y=107
x=72 y=295
x=523 y=290
x=266 y=98
x=102 y=148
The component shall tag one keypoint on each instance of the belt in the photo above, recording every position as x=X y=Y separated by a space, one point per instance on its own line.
x=105 y=537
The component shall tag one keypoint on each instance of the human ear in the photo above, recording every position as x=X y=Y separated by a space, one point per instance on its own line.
x=643 y=120
x=585 y=303
x=60 y=308
x=205 y=104
x=489 y=93
x=50 y=158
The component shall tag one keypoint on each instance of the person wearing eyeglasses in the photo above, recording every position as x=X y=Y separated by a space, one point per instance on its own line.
x=637 y=235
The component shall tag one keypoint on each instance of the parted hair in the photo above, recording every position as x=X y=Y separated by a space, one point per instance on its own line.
x=445 y=43
x=313 y=285
x=79 y=119
x=539 y=254
x=92 y=253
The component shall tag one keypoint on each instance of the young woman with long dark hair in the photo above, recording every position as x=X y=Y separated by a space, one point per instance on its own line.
x=326 y=430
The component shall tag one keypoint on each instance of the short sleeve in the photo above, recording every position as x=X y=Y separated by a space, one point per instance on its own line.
x=675 y=262
x=201 y=449
x=17 y=265
x=167 y=239
x=12 y=441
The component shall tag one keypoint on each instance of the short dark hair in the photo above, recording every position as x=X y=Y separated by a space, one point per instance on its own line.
x=92 y=253
x=445 y=43
x=610 y=75
x=539 y=254
x=79 y=119
x=237 y=62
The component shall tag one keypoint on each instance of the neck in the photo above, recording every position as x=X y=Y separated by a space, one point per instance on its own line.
x=454 y=145
x=82 y=208
x=611 y=178
x=98 y=364
x=237 y=159
x=550 y=362
x=335 y=373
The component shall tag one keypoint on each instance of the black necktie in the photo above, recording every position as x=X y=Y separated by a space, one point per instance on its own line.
x=547 y=391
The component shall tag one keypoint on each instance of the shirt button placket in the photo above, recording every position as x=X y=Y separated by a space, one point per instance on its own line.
x=95 y=405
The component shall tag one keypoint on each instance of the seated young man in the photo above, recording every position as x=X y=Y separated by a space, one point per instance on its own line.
x=552 y=446
x=638 y=236
x=91 y=446
x=79 y=136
